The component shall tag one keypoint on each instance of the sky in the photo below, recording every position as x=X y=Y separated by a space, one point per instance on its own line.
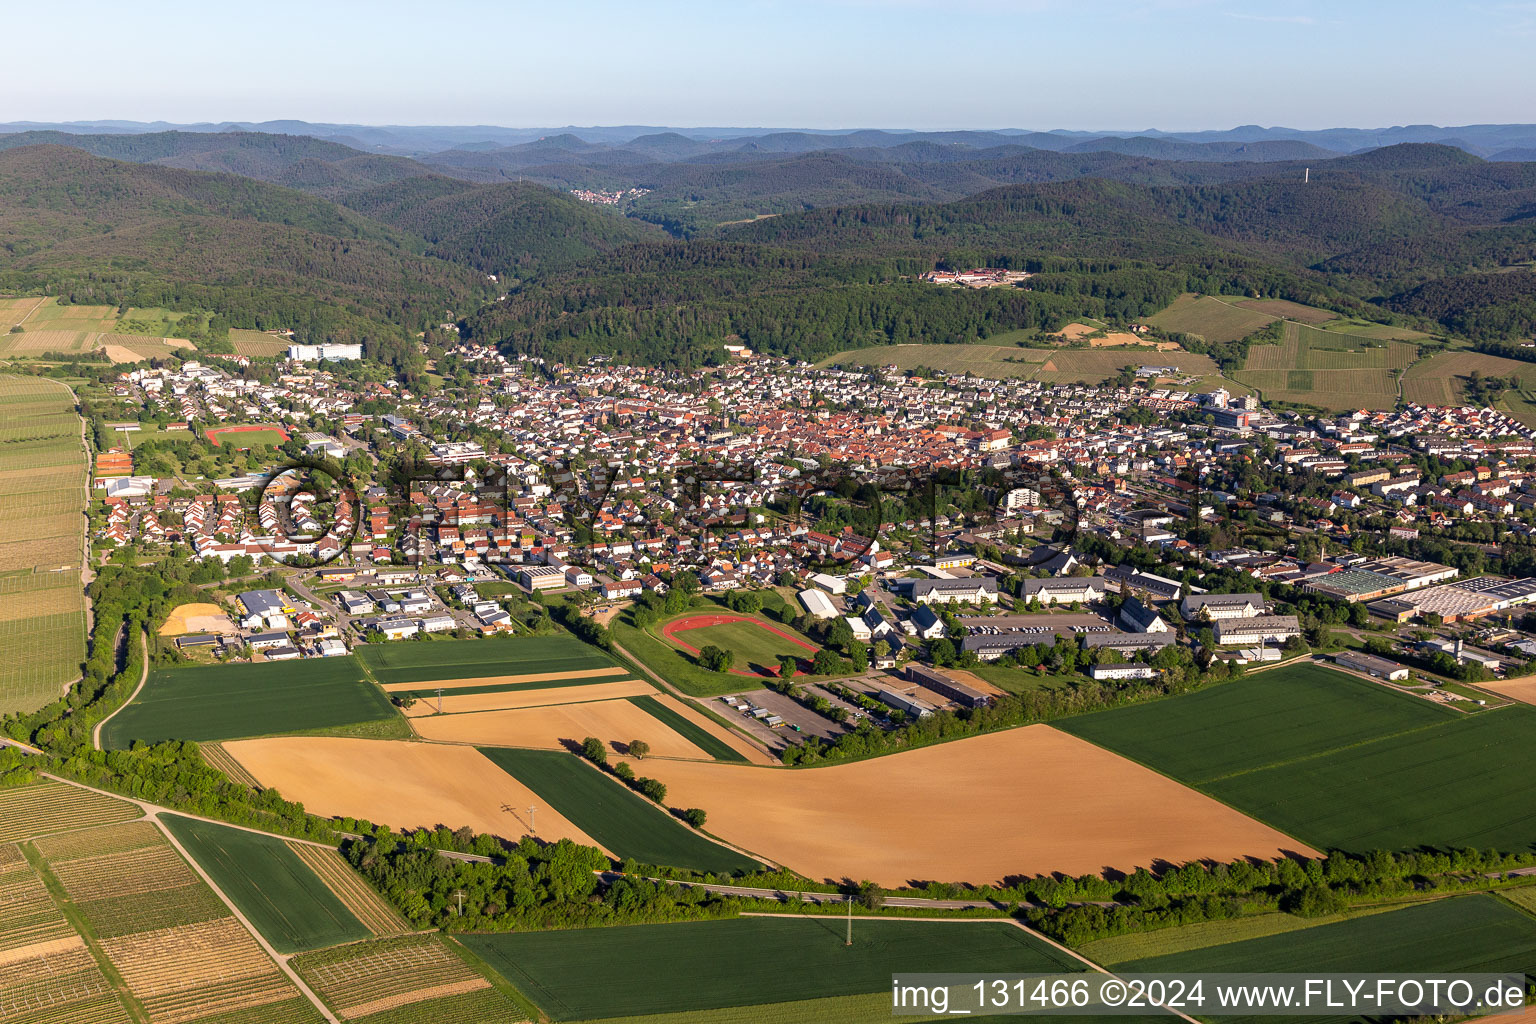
x=1176 y=65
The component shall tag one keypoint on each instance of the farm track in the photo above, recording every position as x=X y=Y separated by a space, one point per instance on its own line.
x=143 y=678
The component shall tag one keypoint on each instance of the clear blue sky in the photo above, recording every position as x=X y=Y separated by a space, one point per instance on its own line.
x=1091 y=64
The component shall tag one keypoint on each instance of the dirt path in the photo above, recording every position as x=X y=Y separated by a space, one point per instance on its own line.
x=143 y=678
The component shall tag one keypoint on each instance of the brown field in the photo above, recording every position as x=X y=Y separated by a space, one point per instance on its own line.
x=537 y=677
x=1522 y=689
x=1125 y=338
x=1289 y=310
x=1024 y=801
x=507 y=700
x=400 y=784
x=197 y=618
x=615 y=722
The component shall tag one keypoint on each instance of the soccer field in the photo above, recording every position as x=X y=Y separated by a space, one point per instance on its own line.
x=1339 y=762
x=757 y=644
x=604 y=972
x=226 y=702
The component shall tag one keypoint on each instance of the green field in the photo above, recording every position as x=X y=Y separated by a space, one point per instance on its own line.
x=623 y=821
x=430 y=692
x=690 y=731
x=226 y=702
x=432 y=660
x=1465 y=934
x=1119 y=949
x=756 y=646
x=1339 y=762
x=278 y=893
x=245 y=438
x=1049 y=365
x=1328 y=369
x=1214 y=319
x=43 y=476
x=604 y=972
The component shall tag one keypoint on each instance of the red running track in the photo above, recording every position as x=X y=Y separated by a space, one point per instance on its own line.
x=671 y=629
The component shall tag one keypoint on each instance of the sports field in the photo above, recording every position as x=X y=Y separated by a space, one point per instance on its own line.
x=250 y=435
x=623 y=822
x=931 y=812
x=43 y=476
x=757 y=643
x=403 y=785
x=482 y=658
x=276 y=891
x=1212 y=318
x=223 y=702
x=416 y=979
x=1464 y=933
x=745 y=961
x=1339 y=762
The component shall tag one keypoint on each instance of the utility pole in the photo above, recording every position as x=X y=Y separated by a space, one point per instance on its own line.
x=460 y=894
x=849 y=940
x=531 y=827
x=439 y=700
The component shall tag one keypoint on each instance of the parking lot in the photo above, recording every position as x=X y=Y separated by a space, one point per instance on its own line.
x=793 y=713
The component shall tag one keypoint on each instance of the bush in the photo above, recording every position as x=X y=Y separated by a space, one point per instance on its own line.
x=695 y=816
x=624 y=771
x=653 y=788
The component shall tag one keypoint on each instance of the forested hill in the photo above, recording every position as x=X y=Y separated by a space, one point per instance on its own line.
x=499 y=229
x=310 y=165
x=264 y=256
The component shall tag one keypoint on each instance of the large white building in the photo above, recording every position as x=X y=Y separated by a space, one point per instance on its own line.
x=315 y=353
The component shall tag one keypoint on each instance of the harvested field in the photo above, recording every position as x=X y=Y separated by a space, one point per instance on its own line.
x=273 y=887
x=36 y=810
x=1522 y=689
x=503 y=700
x=197 y=618
x=401 y=784
x=479 y=659
x=1214 y=319
x=556 y=727
x=1088 y=811
x=565 y=678
x=747 y=960
x=376 y=914
x=625 y=823
x=371 y=978
x=698 y=728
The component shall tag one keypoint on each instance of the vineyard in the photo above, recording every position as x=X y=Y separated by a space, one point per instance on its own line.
x=28 y=811
x=1327 y=369
x=354 y=892
x=403 y=981
x=43 y=474
x=218 y=759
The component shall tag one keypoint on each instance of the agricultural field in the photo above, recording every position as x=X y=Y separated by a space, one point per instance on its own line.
x=375 y=913
x=686 y=723
x=1088 y=810
x=257 y=344
x=1465 y=933
x=43 y=477
x=757 y=643
x=1048 y=365
x=1214 y=319
x=1094 y=366
x=1119 y=949
x=746 y=961
x=35 y=810
x=1337 y=761
x=290 y=905
x=623 y=822
x=222 y=702
x=404 y=785
x=1285 y=309
x=1441 y=380
x=48 y=326
x=514 y=696
x=484 y=659
x=417 y=979
x=1326 y=369
x=170 y=940
x=558 y=726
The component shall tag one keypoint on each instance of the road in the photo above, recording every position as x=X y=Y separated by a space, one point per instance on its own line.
x=143 y=678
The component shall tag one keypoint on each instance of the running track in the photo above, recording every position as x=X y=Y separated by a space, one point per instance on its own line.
x=671 y=629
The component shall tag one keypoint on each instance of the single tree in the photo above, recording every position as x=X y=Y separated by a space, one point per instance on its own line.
x=638 y=749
